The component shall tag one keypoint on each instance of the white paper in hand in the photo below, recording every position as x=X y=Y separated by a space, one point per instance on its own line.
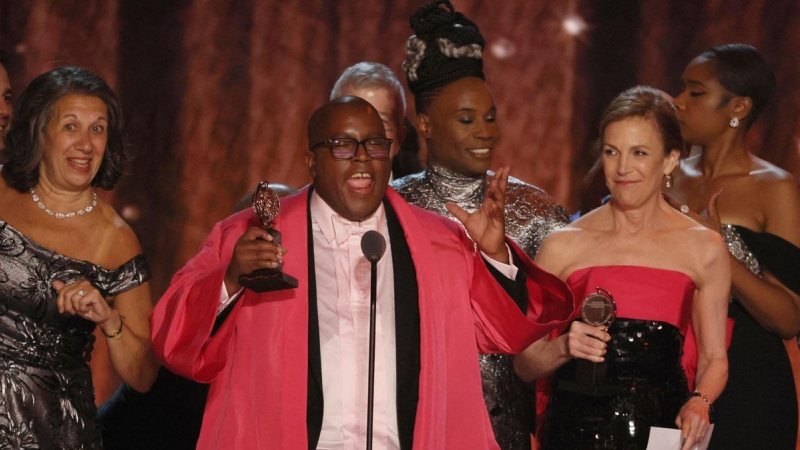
x=670 y=439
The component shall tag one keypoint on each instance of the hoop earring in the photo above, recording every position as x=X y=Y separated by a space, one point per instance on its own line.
x=734 y=122
x=669 y=180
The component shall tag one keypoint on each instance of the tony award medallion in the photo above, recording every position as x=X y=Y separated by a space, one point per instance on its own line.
x=598 y=310
x=266 y=205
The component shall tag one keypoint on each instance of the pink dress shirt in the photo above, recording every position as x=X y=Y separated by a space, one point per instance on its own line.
x=343 y=285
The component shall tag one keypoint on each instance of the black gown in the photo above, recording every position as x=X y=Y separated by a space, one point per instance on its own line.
x=46 y=391
x=758 y=408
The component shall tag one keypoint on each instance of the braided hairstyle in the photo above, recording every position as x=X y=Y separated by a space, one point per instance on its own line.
x=446 y=47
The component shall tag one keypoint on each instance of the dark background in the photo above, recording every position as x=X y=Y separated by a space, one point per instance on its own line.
x=217 y=93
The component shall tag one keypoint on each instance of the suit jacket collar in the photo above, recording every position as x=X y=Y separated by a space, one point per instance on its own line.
x=407 y=334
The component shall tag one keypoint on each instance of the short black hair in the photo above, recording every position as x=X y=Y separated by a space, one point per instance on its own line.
x=23 y=151
x=742 y=70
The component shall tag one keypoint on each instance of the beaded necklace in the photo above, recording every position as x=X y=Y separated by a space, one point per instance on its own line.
x=68 y=215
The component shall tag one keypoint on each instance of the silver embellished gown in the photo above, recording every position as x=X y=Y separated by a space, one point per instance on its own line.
x=46 y=391
x=530 y=214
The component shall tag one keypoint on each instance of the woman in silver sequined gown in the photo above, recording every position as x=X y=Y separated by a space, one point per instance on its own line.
x=756 y=207
x=460 y=147
x=68 y=264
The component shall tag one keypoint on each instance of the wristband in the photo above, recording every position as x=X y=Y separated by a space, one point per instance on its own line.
x=703 y=397
x=115 y=335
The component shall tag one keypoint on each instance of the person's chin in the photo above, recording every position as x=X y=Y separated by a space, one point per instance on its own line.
x=360 y=212
x=361 y=206
x=476 y=170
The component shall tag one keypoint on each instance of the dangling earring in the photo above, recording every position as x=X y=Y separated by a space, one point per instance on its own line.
x=669 y=180
x=734 y=122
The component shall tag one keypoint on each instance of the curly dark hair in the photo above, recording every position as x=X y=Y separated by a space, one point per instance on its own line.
x=23 y=151
x=645 y=102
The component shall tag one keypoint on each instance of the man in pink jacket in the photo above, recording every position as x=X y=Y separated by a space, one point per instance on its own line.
x=288 y=368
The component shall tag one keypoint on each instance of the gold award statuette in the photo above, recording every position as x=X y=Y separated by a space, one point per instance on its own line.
x=266 y=205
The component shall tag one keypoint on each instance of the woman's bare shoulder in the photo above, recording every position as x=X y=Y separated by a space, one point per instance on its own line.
x=705 y=246
x=119 y=239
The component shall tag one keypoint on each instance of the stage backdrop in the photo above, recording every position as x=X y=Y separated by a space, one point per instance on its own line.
x=217 y=93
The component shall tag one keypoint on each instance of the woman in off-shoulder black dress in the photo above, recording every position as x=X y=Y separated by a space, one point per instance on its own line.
x=756 y=207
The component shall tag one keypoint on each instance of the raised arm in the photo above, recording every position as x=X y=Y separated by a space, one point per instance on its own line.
x=773 y=305
x=122 y=319
x=129 y=343
x=183 y=318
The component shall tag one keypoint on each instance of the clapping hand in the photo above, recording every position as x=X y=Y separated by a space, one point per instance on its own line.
x=487 y=225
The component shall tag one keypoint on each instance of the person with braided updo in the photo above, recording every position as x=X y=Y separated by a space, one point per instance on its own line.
x=457 y=117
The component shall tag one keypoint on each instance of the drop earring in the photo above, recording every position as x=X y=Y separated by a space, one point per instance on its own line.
x=669 y=180
x=734 y=122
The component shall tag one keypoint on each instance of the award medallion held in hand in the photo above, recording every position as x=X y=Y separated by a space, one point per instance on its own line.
x=599 y=309
x=266 y=205
x=591 y=378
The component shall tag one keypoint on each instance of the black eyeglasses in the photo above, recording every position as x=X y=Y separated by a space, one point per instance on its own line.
x=346 y=148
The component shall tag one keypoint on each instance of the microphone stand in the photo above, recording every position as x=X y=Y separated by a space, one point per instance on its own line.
x=373 y=289
x=373 y=245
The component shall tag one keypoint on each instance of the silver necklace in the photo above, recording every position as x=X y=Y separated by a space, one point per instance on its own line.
x=68 y=215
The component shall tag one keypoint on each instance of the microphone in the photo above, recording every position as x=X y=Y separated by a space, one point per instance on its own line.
x=373 y=245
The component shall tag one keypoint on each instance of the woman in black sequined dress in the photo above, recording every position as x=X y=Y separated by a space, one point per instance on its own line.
x=755 y=206
x=68 y=264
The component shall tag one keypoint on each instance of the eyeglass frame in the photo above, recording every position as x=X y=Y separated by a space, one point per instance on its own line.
x=329 y=143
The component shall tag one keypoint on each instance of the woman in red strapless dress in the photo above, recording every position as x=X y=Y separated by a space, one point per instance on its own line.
x=669 y=278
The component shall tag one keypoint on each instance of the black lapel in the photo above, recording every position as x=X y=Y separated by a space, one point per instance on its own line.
x=315 y=399
x=407 y=330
